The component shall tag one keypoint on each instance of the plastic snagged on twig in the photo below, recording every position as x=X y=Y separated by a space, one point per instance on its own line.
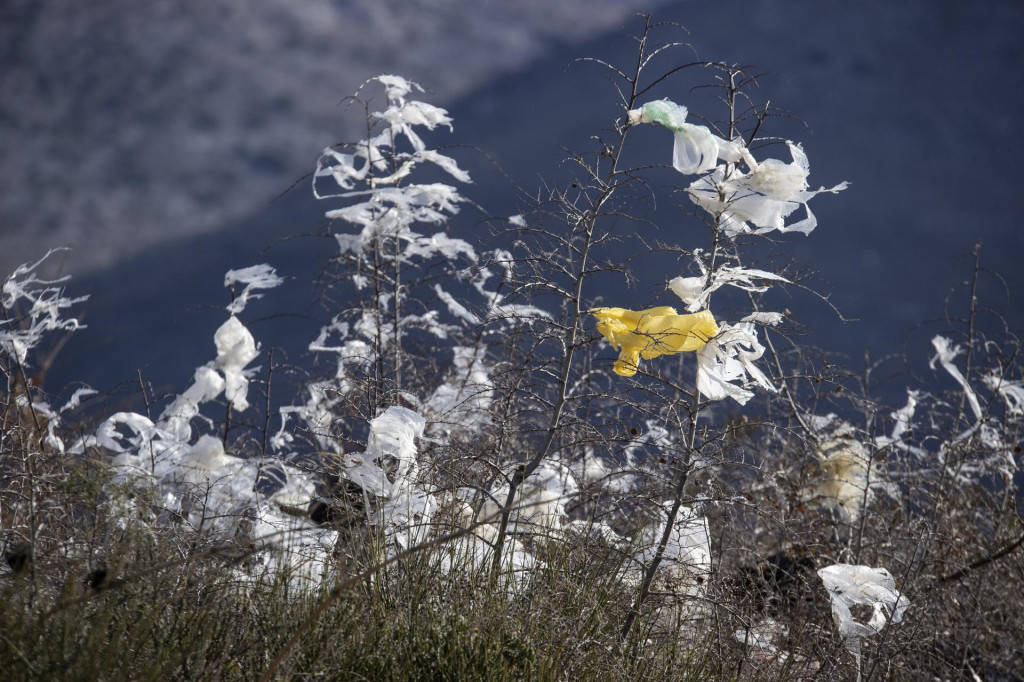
x=649 y=333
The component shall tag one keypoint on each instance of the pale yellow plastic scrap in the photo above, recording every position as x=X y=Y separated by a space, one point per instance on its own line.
x=649 y=333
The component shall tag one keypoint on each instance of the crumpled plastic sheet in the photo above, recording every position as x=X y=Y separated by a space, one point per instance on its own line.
x=653 y=332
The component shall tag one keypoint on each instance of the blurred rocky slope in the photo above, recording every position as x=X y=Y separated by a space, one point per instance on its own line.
x=126 y=123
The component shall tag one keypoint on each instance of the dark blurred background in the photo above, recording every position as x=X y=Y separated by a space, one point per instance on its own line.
x=163 y=139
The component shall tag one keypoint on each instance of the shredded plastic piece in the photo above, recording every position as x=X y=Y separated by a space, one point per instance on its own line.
x=945 y=353
x=260 y=276
x=849 y=585
x=695 y=291
x=729 y=358
x=845 y=464
x=766 y=196
x=235 y=349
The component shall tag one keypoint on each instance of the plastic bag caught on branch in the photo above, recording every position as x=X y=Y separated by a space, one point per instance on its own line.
x=649 y=333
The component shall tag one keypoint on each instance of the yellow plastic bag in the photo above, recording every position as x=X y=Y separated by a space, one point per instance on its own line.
x=649 y=333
